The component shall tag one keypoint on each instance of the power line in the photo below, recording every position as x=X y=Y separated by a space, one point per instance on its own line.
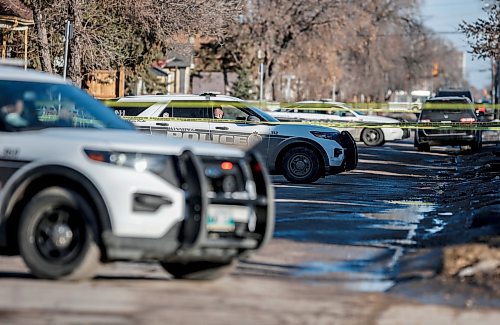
x=451 y=4
x=429 y=32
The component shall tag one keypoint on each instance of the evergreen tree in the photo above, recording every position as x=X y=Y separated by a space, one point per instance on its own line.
x=243 y=87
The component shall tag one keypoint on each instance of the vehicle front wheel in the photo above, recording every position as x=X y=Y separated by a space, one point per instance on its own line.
x=55 y=238
x=476 y=146
x=197 y=270
x=373 y=137
x=301 y=165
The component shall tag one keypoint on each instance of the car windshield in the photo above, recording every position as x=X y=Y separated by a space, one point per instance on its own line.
x=244 y=106
x=35 y=105
x=264 y=115
x=319 y=108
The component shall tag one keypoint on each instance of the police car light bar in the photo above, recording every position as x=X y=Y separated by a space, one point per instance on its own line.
x=209 y=94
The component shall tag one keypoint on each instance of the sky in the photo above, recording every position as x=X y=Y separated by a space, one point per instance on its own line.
x=444 y=16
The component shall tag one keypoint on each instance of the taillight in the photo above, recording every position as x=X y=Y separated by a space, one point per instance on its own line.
x=425 y=121
x=467 y=120
x=226 y=165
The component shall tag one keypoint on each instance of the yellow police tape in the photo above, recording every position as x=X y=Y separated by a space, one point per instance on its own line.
x=122 y=108
x=480 y=126
x=328 y=107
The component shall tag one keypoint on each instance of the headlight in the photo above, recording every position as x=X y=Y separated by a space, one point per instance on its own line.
x=326 y=135
x=138 y=161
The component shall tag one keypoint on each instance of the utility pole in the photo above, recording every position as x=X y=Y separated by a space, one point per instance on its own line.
x=67 y=37
x=334 y=89
x=288 y=89
x=260 y=57
x=496 y=89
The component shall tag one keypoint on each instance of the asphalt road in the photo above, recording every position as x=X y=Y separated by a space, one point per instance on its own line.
x=340 y=245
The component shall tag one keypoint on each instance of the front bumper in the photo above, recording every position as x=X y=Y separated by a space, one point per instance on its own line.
x=350 y=155
x=190 y=240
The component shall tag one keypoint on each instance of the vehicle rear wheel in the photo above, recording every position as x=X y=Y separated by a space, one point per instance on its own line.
x=476 y=146
x=423 y=147
x=301 y=165
x=197 y=270
x=373 y=137
x=56 y=240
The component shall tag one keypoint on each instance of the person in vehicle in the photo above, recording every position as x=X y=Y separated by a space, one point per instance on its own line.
x=13 y=114
x=218 y=112
x=66 y=116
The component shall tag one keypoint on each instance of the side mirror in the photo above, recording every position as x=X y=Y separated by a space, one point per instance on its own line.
x=253 y=119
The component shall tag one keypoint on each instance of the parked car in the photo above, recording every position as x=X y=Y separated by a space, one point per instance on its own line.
x=326 y=111
x=455 y=92
x=80 y=186
x=302 y=153
x=445 y=111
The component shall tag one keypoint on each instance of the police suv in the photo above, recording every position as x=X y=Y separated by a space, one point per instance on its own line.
x=302 y=153
x=79 y=186
x=337 y=112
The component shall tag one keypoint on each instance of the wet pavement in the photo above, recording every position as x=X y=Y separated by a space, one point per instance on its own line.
x=370 y=215
x=382 y=227
x=355 y=248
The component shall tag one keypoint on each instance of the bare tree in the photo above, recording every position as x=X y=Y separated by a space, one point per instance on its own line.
x=484 y=34
x=128 y=33
x=357 y=46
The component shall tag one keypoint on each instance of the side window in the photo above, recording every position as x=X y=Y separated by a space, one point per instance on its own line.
x=187 y=109
x=129 y=110
x=234 y=113
x=344 y=113
x=167 y=112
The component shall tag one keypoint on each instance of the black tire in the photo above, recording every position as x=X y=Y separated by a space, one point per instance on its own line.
x=301 y=165
x=422 y=147
x=476 y=146
x=56 y=240
x=197 y=270
x=373 y=137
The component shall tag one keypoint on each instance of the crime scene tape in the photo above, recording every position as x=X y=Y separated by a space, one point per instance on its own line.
x=480 y=126
x=123 y=108
x=323 y=107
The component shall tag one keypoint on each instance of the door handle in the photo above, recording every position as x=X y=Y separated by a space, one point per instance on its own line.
x=222 y=128
x=162 y=124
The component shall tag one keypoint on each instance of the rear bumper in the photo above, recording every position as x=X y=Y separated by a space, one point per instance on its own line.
x=190 y=240
x=448 y=139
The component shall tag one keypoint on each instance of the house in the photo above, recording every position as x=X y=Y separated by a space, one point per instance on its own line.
x=178 y=72
x=15 y=21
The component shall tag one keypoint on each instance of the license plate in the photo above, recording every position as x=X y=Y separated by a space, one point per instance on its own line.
x=223 y=218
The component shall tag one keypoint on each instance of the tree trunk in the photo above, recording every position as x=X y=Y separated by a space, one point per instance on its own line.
x=75 y=57
x=42 y=39
x=269 y=88
x=269 y=76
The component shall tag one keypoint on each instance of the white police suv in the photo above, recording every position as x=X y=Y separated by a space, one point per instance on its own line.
x=302 y=153
x=79 y=186
x=337 y=112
